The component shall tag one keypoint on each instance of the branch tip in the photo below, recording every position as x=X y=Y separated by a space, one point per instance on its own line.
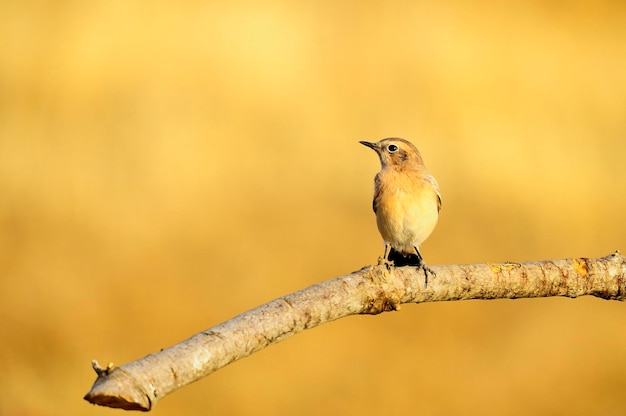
x=102 y=372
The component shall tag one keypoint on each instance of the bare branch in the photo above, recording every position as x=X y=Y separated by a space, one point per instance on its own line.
x=372 y=290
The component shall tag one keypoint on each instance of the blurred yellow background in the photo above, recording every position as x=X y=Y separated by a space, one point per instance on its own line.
x=166 y=165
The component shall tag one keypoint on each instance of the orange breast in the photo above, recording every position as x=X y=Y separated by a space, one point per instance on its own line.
x=407 y=210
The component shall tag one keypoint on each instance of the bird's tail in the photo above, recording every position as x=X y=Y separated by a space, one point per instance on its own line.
x=400 y=259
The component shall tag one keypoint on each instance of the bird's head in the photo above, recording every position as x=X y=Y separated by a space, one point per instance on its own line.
x=397 y=152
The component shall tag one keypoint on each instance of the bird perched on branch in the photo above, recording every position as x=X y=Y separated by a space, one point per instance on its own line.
x=406 y=201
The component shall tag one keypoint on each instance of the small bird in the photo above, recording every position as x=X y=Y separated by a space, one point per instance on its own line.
x=406 y=201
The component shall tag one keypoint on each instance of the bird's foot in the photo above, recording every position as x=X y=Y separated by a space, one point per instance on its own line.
x=427 y=271
x=382 y=261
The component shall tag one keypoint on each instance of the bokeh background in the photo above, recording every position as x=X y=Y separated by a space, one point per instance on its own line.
x=165 y=166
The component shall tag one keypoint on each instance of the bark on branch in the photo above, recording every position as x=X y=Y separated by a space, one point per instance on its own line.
x=372 y=290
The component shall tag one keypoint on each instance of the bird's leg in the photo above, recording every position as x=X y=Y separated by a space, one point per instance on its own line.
x=419 y=256
x=427 y=270
x=384 y=259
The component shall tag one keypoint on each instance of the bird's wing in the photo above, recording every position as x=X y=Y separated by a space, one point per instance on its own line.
x=438 y=201
x=431 y=179
x=377 y=189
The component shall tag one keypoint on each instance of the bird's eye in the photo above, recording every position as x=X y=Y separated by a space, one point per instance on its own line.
x=392 y=148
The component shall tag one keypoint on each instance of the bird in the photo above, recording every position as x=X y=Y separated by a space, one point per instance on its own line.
x=406 y=201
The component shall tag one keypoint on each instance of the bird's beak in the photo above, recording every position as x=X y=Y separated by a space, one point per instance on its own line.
x=370 y=145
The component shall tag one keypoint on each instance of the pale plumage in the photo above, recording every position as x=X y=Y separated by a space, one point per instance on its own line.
x=406 y=199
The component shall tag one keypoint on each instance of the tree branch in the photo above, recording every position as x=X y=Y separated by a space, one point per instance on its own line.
x=372 y=290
